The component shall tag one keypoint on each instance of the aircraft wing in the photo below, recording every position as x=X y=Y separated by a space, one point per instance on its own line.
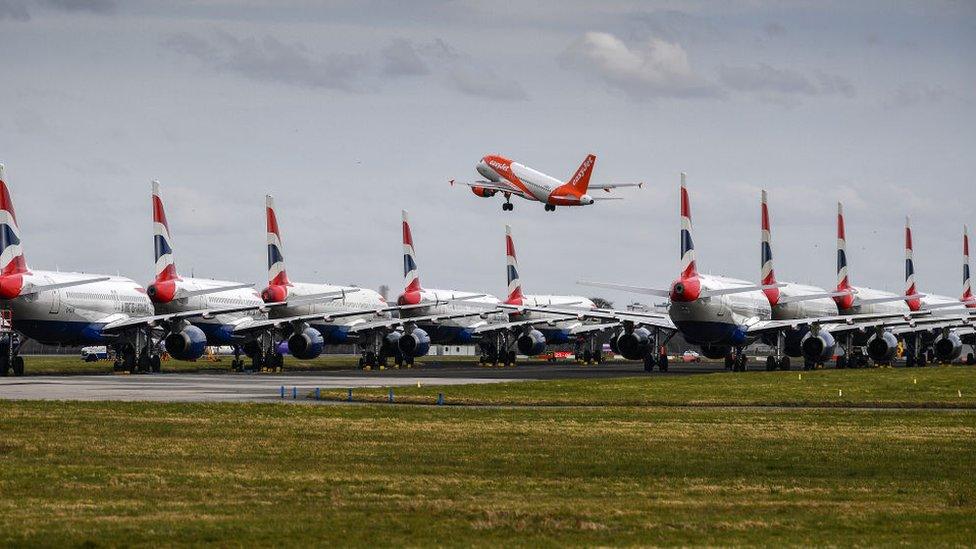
x=494 y=186
x=396 y=322
x=32 y=289
x=609 y=186
x=152 y=320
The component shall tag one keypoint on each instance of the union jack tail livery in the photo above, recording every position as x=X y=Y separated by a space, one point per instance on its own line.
x=768 y=276
x=967 y=292
x=843 y=283
x=276 y=259
x=688 y=267
x=11 y=252
x=514 y=282
x=410 y=275
x=581 y=179
x=165 y=262
x=910 y=289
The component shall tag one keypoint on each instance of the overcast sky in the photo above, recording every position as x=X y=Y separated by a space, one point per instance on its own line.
x=349 y=111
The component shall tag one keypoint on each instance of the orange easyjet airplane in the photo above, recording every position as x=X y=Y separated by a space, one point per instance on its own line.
x=511 y=178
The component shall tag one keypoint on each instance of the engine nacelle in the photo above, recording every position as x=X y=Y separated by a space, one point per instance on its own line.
x=483 y=192
x=634 y=345
x=882 y=347
x=391 y=343
x=306 y=344
x=531 y=343
x=162 y=292
x=414 y=344
x=715 y=351
x=819 y=347
x=948 y=347
x=188 y=344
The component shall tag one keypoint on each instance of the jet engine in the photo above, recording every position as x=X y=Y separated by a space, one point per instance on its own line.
x=882 y=347
x=187 y=344
x=306 y=344
x=531 y=343
x=483 y=192
x=818 y=347
x=634 y=345
x=715 y=351
x=947 y=347
x=415 y=343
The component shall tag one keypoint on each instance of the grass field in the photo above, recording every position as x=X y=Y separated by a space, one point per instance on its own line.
x=133 y=473
x=944 y=386
x=70 y=364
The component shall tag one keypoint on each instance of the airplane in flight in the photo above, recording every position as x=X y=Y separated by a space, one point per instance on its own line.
x=513 y=179
x=65 y=308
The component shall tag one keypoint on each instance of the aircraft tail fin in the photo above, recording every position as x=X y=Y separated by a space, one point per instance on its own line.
x=689 y=267
x=277 y=275
x=967 y=291
x=580 y=181
x=11 y=250
x=910 y=289
x=767 y=274
x=411 y=275
x=162 y=243
x=514 y=282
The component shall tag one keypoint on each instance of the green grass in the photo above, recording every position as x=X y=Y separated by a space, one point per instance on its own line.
x=72 y=364
x=887 y=387
x=150 y=473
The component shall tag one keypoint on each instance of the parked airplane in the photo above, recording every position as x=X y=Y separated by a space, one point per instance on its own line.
x=72 y=308
x=722 y=315
x=448 y=317
x=511 y=178
x=534 y=329
x=942 y=343
x=172 y=293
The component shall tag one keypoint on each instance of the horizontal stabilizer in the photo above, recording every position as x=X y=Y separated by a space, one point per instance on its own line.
x=889 y=299
x=809 y=297
x=740 y=289
x=208 y=291
x=38 y=288
x=625 y=288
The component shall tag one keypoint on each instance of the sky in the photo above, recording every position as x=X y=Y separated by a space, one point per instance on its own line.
x=349 y=111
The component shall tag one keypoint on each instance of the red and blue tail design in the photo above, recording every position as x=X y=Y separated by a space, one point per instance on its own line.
x=411 y=276
x=910 y=289
x=843 y=282
x=514 y=282
x=768 y=275
x=162 y=245
x=688 y=267
x=967 y=291
x=277 y=276
x=12 y=260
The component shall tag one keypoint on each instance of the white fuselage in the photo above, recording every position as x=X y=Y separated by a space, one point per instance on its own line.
x=442 y=302
x=536 y=183
x=219 y=328
x=862 y=293
x=720 y=320
x=355 y=299
x=810 y=308
x=75 y=315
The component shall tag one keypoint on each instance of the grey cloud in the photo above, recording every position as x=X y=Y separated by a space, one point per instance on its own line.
x=484 y=82
x=91 y=6
x=269 y=59
x=655 y=68
x=770 y=82
x=914 y=93
x=13 y=10
x=400 y=58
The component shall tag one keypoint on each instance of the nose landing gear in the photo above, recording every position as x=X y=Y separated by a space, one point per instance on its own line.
x=550 y=207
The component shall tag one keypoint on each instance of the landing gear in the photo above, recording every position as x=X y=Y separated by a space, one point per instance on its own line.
x=970 y=359
x=508 y=206
x=550 y=207
x=736 y=361
x=649 y=362
x=770 y=363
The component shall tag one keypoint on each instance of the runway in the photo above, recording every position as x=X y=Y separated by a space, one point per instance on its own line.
x=232 y=387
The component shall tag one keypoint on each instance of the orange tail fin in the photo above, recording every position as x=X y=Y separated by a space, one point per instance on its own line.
x=581 y=179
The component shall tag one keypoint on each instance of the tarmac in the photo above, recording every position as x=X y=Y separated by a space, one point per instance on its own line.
x=235 y=387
